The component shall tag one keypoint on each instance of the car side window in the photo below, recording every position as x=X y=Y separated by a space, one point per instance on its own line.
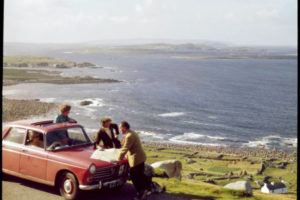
x=16 y=135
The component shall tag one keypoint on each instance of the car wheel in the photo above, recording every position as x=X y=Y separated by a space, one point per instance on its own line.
x=68 y=186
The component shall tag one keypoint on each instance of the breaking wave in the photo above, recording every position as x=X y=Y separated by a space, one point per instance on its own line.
x=273 y=140
x=172 y=114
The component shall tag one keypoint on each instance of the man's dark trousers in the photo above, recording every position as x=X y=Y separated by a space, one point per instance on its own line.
x=138 y=177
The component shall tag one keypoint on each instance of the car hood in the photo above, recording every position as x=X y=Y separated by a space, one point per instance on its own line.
x=78 y=156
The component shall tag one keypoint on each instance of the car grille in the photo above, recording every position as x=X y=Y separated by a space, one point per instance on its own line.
x=110 y=173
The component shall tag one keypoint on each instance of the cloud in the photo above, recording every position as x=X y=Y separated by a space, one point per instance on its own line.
x=145 y=20
x=148 y=2
x=231 y=17
x=119 y=19
x=268 y=13
x=138 y=8
x=75 y=20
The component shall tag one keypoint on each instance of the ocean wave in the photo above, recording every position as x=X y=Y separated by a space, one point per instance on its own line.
x=272 y=140
x=196 y=138
x=180 y=141
x=212 y=117
x=172 y=114
x=150 y=134
x=112 y=69
x=9 y=92
x=48 y=100
x=91 y=131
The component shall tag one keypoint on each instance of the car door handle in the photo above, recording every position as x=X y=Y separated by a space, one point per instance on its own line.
x=24 y=150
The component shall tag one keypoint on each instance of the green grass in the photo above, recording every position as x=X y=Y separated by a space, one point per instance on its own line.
x=197 y=189
x=22 y=74
x=188 y=190
x=33 y=60
x=16 y=76
x=222 y=169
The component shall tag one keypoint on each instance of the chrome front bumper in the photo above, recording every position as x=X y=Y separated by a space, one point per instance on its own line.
x=109 y=184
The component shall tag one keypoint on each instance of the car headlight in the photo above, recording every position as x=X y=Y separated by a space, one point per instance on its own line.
x=121 y=169
x=92 y=169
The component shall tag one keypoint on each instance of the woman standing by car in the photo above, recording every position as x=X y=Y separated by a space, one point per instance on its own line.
x=107 y=135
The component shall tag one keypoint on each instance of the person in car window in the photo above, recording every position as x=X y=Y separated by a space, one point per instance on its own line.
x=64 y=116
x=107 y=136
x=35 y=139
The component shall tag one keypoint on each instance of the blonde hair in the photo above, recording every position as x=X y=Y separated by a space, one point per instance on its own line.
x=103 y=120
x=64 y=108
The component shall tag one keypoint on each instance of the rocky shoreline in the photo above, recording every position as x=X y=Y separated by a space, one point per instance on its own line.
x=203 y=151
x=14 y=109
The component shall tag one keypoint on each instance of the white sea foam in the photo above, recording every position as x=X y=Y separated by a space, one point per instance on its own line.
x=180 y=140
x=150 y=134
x=9 y=92
x=272 y=140
x=91 y=131
x=115 y=90
x=212 y=117
x=113 y=69
x=172 y=114
x=192 y=136
x=195 y=138
x=48 y=100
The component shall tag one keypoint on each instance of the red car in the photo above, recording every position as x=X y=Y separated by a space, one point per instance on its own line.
x=58 y=155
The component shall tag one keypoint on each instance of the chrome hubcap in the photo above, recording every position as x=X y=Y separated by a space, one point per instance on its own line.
x=68 y=186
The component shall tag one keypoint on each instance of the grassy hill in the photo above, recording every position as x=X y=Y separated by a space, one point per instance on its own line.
x=217 y=168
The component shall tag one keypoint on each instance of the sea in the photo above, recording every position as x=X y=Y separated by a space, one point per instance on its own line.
x=216 y=102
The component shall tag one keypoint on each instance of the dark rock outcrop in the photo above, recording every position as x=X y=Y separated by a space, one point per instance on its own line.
x=85 y=103
x=85 y=64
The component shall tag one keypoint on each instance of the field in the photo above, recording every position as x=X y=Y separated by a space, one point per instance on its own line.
x=217 y=169
x=17 y=76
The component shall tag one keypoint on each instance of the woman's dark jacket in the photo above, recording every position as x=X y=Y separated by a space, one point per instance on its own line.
x=107 y=142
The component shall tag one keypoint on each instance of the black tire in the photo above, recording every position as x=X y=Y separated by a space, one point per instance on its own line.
x=68 y=186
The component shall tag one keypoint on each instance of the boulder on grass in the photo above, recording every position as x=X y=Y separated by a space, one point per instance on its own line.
x=171 y=167
x=240 y=185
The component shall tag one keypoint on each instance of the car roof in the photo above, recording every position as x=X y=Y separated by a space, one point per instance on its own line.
x=45 y=125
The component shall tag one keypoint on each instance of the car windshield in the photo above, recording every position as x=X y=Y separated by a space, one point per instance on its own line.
x=66 y=138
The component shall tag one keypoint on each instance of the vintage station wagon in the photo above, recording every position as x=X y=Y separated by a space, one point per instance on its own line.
x=58 y=155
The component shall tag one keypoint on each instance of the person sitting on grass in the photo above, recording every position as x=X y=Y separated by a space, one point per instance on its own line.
x=64 y=116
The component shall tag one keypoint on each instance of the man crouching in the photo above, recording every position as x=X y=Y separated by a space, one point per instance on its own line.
x=136 y=157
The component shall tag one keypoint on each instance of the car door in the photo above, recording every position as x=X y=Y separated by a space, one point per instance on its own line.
x=12 y=144
x=33 y=159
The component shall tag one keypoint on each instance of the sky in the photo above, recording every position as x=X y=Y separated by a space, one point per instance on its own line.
x=240 y=22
